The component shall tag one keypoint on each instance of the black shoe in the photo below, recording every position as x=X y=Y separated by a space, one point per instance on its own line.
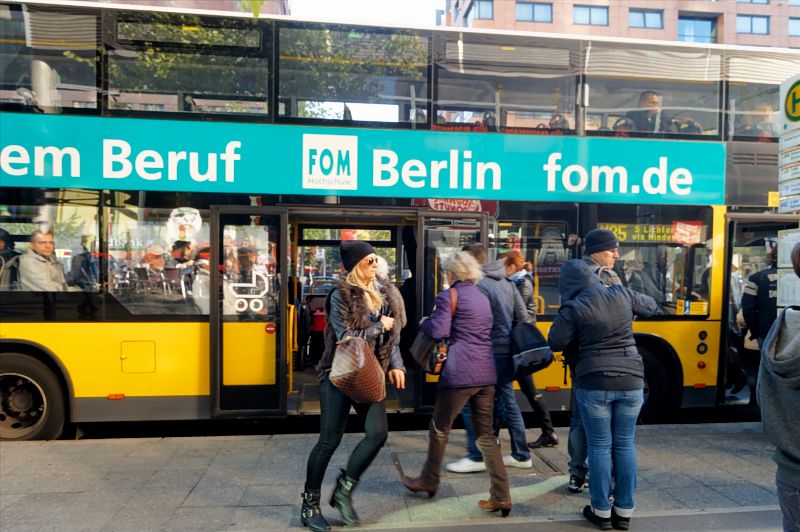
x=310 y=514
x=619 y=523
x=576 y=484
x=545 y=440
x=604 y=523
x=342 y=499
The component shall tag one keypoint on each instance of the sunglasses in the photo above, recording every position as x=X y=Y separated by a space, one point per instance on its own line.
x=372 y=260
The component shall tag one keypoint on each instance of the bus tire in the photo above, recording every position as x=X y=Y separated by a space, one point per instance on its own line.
x=656 y=388
x=31 y=399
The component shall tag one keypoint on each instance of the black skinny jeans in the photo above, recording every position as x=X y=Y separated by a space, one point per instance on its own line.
x=335 y=407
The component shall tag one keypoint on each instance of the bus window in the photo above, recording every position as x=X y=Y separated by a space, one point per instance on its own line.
x=364 y=75
x=753 y=111
x=187 y=66
x=664 y=253
x=49 y=248
x=545 y=247
x=503 y=85
x=154 y=257
x=646 y=93
x=51 y=66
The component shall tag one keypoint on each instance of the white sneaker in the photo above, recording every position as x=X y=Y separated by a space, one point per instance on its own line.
x=465 y=465
x=510 y=461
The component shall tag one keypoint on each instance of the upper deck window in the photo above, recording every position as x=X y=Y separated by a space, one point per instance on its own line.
x=188 y=65
x=48 y=58
x=506 y=85
x=354 y=75
x=649 y=96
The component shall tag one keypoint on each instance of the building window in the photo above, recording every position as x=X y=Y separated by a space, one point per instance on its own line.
x=534 y=12
x=646 y=18
x=753 y=1
x=697 y=29
x=755 y=24
x=590 y=15
x=482 y=10
x=794 y=27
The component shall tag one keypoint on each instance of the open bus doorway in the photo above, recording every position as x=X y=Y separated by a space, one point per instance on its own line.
x=751 y=238
x=413 y=264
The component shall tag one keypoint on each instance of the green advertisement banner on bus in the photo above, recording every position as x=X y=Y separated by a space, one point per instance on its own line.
x=176 y=155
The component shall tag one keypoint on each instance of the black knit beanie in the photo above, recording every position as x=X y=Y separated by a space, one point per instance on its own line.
x=600 y=240
x=352 y=251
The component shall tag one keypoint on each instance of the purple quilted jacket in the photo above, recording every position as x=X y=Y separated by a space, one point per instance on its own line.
x=470 y=361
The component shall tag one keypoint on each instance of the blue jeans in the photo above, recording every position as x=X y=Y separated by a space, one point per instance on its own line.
x=507 y=409
x=609 y=418
x=576 y=443
x=789 y=499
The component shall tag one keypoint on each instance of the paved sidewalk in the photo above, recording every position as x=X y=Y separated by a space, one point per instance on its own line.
x=691 y=477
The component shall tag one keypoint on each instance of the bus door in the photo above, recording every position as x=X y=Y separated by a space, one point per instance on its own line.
x=751 y=237
x=248 y=312
x=442 y=234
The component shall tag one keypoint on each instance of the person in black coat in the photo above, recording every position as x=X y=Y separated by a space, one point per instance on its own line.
x=609 y=382
x=760 y=299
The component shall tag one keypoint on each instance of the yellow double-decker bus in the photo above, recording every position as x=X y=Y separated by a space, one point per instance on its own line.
x=175 y=186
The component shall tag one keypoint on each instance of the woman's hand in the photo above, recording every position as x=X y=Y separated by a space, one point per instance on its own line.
x=388 y=323
x=398 y=378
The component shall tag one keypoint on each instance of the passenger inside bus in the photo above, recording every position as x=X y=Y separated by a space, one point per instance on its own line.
x=39 y=269
x=648 y=118
x=760 y=122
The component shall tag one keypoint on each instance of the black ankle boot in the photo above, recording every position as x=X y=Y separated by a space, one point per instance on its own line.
x=342 y=499
x=310 y=514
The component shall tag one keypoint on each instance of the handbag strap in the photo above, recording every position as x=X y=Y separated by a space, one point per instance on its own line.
x=453 y=301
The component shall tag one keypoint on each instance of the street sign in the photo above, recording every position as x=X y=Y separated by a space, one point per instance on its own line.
x=789 y=147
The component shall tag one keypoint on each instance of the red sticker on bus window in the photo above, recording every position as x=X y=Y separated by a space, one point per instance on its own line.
x=270 y=328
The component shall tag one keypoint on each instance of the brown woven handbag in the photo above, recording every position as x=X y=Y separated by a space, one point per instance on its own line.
x=356 y=371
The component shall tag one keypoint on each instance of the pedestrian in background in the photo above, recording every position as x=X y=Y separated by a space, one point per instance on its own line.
x=760 y=298
x=358 y=306
x=779 y=398
x=468 y=378
x=514 y=264
x=609 y=383
x=507 y=309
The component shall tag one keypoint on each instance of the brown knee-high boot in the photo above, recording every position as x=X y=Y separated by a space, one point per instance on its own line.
x=499 y=493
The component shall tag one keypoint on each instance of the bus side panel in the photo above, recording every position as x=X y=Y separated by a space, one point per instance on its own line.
x=129 y=371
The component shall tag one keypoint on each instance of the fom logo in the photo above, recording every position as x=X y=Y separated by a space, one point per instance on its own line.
x=330 y=162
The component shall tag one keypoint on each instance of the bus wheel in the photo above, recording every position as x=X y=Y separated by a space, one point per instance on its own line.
x=656 y=388
x=31 y=400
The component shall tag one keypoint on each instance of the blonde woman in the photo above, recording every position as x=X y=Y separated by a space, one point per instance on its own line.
x=358 y=306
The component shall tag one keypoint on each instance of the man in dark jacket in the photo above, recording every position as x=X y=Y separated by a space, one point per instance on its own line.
x=507 y=309
x=601 y=251
x=609 y=382
x=779 y=396
x=760 y=299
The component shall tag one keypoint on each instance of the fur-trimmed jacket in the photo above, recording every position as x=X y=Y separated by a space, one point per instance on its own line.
x=348 y=315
